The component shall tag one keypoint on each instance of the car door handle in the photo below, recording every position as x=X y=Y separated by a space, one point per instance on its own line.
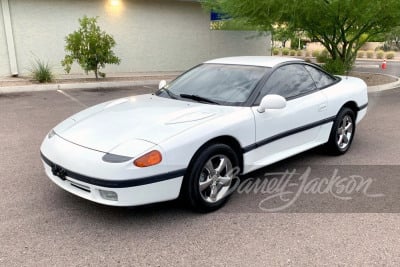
x=322 y=107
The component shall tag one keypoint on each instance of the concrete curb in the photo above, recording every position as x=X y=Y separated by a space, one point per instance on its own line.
x=383 y=87
x=129 y=84
x=75 y=86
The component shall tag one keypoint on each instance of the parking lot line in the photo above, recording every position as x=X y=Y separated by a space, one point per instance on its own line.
x=72 y=98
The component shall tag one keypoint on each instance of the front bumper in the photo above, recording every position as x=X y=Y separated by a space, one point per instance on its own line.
x=68 y=165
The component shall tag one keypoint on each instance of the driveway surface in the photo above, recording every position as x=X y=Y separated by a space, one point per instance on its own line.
x=42 y=225
x=374 y=66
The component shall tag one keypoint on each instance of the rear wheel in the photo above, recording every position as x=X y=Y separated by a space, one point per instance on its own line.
x=342 y=132
x=210 y=177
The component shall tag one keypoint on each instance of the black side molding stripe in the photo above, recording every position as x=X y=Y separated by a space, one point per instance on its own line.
x=362 y=107
x=286 y=134
x=118 y=183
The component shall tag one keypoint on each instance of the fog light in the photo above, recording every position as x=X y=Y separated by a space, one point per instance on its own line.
x=109 y=195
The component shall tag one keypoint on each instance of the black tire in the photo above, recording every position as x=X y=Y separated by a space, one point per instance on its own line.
x=333 y=146
x=192 y=195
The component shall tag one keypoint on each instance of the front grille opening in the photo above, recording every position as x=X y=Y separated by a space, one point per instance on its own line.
x=81 y=187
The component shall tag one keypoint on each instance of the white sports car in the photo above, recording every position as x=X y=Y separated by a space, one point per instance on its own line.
x=187 y=140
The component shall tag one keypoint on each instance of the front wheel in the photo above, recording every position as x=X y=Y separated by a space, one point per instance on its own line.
x=342 y=133
x=210 y=177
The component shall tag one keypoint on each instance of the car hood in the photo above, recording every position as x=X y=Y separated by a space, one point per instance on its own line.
x=146 y=118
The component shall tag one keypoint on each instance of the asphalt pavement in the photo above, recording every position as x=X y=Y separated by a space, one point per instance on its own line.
x=374 y=66
x=42 y=225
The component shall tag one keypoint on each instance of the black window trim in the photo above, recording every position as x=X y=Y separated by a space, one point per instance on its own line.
x=315 y=66
x=303 y=63
x=251 y=101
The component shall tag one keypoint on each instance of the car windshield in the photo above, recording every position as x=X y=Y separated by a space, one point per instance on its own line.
x=215 y=83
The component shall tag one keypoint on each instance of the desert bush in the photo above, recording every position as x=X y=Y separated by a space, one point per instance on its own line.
x=336 y=67
x=41 y=71
x=275 y=51
x=360 y=54
x=370 y=54
x=315 y=53
x=292 y=53
x=308 y=54
x=380 y=54
x=323 y=56
x=285 y=51
x=299 y=53
x=390 y=55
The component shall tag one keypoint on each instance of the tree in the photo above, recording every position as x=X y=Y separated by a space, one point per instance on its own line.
x=90 y=47
x=392 y=40
x=342 y=26
x=282 y=33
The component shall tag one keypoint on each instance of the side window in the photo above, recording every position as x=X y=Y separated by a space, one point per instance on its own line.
x=321 y=79
x=288 y=81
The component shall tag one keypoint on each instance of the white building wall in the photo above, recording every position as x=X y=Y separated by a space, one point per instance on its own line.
x=4 y=61
x=152 y=35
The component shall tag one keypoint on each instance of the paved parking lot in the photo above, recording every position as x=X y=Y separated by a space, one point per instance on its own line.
x=41 y=225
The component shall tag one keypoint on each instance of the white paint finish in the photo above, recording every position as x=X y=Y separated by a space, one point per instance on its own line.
x=350 y=88
x=145 y=194
x=262 y=61
x=4 y=61
x=299 y=112
x=152 y=35
x=7 y=22
x=125 y=122
x=135 y=126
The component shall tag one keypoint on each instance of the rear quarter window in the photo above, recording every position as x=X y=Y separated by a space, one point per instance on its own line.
x=321 y=79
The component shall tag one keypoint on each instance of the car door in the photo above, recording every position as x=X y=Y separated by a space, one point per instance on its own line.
x=281 y=133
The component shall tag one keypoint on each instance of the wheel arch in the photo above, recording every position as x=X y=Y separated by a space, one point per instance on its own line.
x=228 y=140
x=351 y=105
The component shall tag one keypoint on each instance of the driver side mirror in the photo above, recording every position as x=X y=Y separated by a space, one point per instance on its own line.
x=162 y=84
x=272 y=102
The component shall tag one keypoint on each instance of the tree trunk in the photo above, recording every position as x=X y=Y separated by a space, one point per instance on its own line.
x=96 y=73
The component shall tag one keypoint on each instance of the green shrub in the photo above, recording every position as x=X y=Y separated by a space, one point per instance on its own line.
x=292 y=53
x=41 y=71
x=315 y=53
x=323 y=56
x=308 y=54
x=285 y=51
x=380 y=54
x=91 y=47
x=390 y=55
x=275 y=51
x=360 y=54
x=370 y=54
x=299 y=53
x=336 y=67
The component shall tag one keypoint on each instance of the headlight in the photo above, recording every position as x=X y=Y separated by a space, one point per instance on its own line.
x=112 y=158
x=150 y=159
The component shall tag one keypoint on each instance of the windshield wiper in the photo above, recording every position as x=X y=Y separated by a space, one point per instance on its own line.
x=199 y=98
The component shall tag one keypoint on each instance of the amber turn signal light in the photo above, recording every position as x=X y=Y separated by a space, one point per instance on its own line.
x=150 y=159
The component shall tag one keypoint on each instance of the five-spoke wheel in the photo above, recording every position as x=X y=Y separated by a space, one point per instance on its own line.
x=215 y=178
x=342 y=132
x=345 y=132
x=209 y=178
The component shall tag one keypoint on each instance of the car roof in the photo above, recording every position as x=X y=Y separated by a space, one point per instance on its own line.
x=261 y=61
